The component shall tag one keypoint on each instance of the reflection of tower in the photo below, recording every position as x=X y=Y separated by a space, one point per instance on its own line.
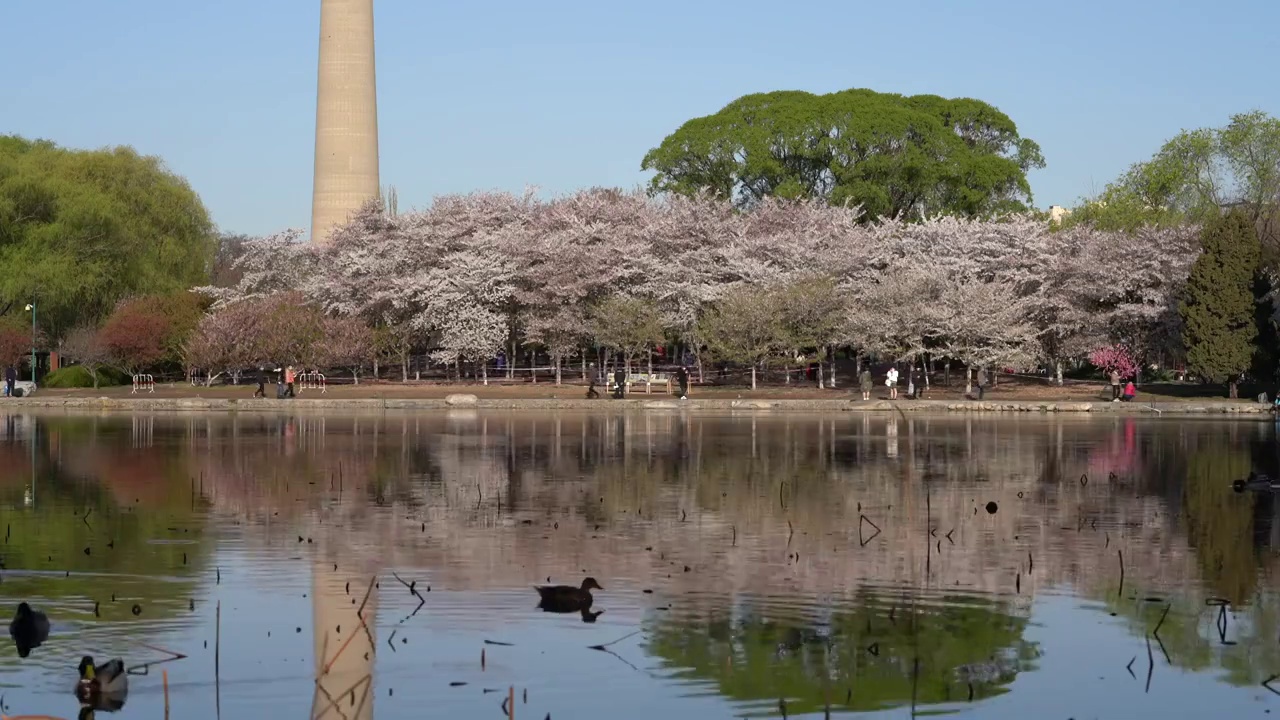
x=346 y=170
x=348 y=659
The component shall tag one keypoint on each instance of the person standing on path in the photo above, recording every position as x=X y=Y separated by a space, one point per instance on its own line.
x=10 y=379
x=289 y=377
x=891 y=380
x=1115 y=386
x=682 y=377
x=865 y=382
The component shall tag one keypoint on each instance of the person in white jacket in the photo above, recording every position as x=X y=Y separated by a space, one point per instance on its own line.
x=891 y=380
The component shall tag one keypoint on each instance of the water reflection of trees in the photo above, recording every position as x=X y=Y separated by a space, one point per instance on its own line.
x=862 y=655
x=764 y=505
x=94 y=526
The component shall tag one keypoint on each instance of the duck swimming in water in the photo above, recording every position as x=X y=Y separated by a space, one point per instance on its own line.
x=29 y=629
x=1256 y=483
x=102 y=687
x=566 y=598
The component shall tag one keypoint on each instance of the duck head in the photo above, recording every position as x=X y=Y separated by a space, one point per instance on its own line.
x=86 y=668
x=591 y=584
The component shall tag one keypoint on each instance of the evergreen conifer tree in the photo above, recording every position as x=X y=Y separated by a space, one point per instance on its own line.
x=1218 y=310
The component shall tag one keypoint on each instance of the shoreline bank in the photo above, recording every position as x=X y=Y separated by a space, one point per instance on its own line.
x=462 y=400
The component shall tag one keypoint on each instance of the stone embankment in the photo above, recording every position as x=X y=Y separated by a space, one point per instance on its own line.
x=307 y=404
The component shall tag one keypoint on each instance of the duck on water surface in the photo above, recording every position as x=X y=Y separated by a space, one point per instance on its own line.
x=29 y=629
x=566 y=598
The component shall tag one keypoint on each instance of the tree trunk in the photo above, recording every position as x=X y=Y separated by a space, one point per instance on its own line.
x=993 y=374
x=968 y=379
x=649 y=354
x=831 y=365
x=946 y=378
x=375 y=366
x=584 y=366
x=533 y=367
x=701 y=378
x=821 y=377
x=1057 y=372
x=753 y=376
x=1233 y=391
x=557 y=361
x=355 y=376
x=511 y=362
x=484 y=373
x=404 y=366
x=925 y=366
x=626 y=373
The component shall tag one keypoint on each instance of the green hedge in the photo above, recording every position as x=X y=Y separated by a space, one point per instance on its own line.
x=75 y=376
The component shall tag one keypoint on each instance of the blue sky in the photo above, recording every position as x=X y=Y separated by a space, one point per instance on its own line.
x=568 y=94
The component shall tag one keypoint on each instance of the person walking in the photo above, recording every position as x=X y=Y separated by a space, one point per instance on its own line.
x=289 y=377
x=10 y=379
x=682 y=379
x=592 y=393
x=261 y=391
x=1115 y=386
x=891 y=380
x=865 y=382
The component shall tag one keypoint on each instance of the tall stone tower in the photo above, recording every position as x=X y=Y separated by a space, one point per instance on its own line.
x=346 y=172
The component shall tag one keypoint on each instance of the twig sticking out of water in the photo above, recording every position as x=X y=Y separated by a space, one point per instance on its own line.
x=1267 y=684
x=862 y=541
x=1031 y=563
x=790 y=533
x=735 y=536
x=217 y=654
x=1163 y=615
x=1129 y=667
x=613 y=642
x=1120 y=592
x=496 y=642
x=144 y=668
x=390 y=638
x=85 y=519
x=1151 y=665
x=333 y=700
x=368 y=633
x=1084 y=480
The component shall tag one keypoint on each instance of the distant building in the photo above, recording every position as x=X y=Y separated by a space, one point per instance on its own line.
x=1057 y=213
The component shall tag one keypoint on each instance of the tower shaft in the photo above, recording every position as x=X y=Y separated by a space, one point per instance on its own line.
x=346 y=170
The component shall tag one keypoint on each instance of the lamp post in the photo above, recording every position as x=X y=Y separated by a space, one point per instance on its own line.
x=32 y=308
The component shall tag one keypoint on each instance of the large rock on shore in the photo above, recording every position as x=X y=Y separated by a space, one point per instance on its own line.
x=461 y=400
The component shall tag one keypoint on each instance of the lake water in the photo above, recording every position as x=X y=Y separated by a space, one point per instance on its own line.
x=752 y=565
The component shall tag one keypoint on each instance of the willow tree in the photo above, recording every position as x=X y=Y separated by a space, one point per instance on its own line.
x=81 y=230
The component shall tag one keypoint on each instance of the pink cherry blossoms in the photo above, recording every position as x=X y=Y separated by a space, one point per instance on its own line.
x=473 y=274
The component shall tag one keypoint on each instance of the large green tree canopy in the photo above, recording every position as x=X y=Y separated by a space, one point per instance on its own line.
x=80 y=230
x=918 y=155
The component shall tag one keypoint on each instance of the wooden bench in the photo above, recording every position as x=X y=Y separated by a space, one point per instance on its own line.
x=649 y=380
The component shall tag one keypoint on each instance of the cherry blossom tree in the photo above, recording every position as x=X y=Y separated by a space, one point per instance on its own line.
x=346 y=342
x=473 y=334
x=471 y=274
x=84 y=346
x=15 y=343
x=1115 y=358
x=134 y=335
